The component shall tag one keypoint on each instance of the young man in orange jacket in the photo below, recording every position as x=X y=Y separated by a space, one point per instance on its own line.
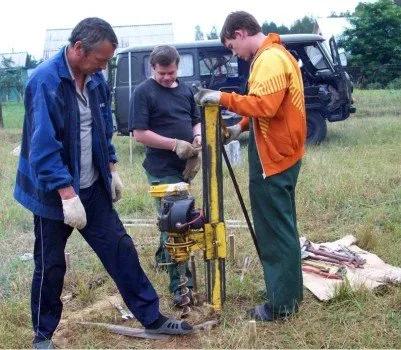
x=274 y=113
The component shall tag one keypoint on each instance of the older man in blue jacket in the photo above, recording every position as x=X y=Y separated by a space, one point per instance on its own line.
x=67 y=178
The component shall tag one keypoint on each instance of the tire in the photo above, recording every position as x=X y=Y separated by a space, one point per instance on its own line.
x=316 y=128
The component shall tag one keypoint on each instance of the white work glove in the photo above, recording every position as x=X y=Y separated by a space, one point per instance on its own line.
x=116 y=186
x=205 y=96
x=184 y=149
x=192 y=167
x=74 y=213
x=234 y=132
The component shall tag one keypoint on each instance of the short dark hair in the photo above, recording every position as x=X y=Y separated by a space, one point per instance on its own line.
x=239 y=20
x=92 y=32
x=164 y=55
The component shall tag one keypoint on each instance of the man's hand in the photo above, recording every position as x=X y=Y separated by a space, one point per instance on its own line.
x=205 y=96
x=234 y=132
x=192 y=167
x=116 y=186
x=74 y=212
x=184 y=149
x=197 y=142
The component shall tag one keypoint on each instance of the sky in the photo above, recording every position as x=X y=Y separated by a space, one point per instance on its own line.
x=23 y=23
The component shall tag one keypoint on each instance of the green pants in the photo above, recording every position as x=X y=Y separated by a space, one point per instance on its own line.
x=162 y=255
x=274 y=217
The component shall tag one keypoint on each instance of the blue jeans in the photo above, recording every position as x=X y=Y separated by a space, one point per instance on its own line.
x=106 y=235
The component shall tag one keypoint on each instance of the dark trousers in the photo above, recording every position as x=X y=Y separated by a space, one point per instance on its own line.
x=274 y=217
x=162 y=255
x=107 y=237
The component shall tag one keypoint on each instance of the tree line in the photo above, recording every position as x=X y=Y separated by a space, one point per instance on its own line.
x=304 y=25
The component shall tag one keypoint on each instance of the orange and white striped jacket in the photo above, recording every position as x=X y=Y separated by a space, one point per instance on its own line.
x=276 y=104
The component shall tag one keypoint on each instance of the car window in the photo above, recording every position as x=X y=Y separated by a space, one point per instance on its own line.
x=316 y=57
x=213 y=64
x=185 y=67
x=122 y=76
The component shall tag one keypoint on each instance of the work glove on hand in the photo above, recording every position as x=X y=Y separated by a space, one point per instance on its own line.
x=205 y=96
x=192 y=167
x=116 y=186
x=184 y=149
x=74 y=213
x=234 y=132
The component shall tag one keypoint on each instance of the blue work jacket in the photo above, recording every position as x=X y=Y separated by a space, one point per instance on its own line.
x=50 y=148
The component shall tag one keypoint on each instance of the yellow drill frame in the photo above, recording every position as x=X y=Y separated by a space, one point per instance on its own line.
x=213 y=237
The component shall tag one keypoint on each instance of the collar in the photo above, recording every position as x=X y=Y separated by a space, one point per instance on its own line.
x=87 y=78
x=271 y=39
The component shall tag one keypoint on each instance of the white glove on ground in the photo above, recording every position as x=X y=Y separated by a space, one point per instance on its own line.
x=234 y=132
x=205 y=96
x=192 y=167
x=184 y=149
x=116 y=186
x=74 y=213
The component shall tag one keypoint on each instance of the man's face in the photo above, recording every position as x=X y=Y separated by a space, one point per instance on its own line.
x=240 y=46
x=96 y=60
x=165 y=75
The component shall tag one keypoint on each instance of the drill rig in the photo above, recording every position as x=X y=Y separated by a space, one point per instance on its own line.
x=191 y=229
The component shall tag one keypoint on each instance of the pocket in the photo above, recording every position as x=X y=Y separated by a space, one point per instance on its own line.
x=278 y=147
x=272 y=152
x=283 y=144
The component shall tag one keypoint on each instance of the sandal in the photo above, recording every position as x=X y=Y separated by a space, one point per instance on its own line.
x=172 y=326
x=264 y=313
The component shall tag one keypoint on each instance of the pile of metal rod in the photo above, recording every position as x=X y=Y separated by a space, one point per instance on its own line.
x=329 y=263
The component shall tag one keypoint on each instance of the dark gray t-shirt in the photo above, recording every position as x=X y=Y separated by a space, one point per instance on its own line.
x=169 y=112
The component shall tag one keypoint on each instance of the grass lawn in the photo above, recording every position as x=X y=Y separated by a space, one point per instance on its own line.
x=350 y=184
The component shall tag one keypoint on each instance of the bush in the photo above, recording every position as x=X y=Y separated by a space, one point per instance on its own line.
x=374 y=86
x=394 y=84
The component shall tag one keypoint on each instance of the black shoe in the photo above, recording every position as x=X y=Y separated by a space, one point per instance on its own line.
x=265 y=313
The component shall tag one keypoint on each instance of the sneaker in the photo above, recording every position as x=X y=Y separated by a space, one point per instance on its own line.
x=178 y=297
x=44 y=344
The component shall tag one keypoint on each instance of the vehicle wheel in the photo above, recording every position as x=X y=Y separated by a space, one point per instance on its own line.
x=316 y=128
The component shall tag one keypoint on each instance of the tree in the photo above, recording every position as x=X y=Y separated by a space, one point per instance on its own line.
x=11 y=78
x=304 y=25
x=339 y=14
x=374 y=42
x=31 y=62
x=283 y=29
x=1 y=116
x=213 y=34
x=273 y=28
x=198 y=33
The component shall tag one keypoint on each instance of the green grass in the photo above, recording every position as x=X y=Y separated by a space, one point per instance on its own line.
x=13 y=115
x=350 y=184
